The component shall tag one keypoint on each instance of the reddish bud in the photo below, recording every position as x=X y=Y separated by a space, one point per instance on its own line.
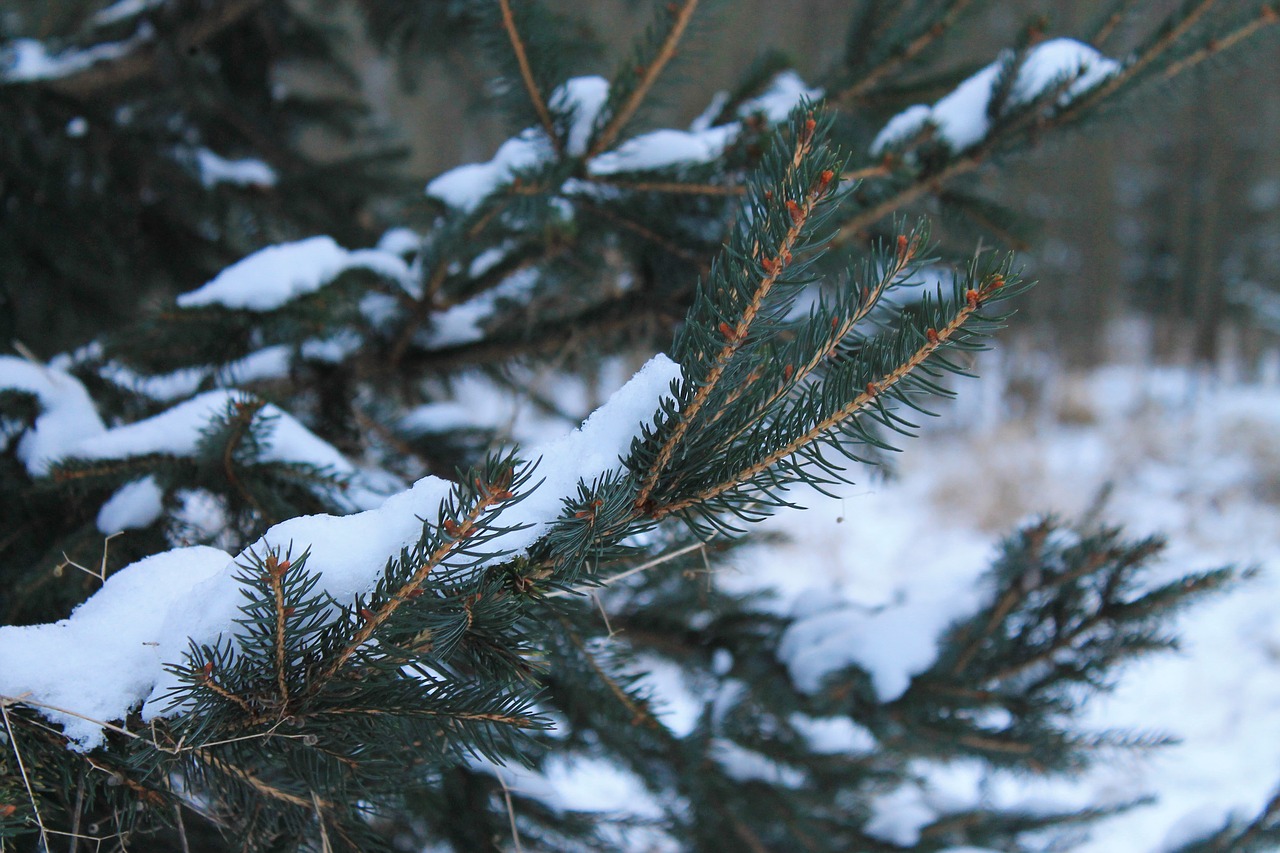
x=727 y=331
x=786 y=256
x=972 y=298
x=288 y=611
x=414 y=593
x=797 y=216
x=904 y=247
x=770 y=265
x=768 y=195
x=207 y=670
x=367 y=614
x=451 y=527
x=997 y=282
x=788 y=372
x=931 y=335
x=809 y=126
x=825 y=178
x=872 y=390
x=7 y=810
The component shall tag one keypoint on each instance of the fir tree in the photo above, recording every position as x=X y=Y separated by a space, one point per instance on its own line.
x=345 y=611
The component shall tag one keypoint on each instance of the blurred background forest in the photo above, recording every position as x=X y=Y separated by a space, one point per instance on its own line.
x=1181 y=198
x=1169 y=212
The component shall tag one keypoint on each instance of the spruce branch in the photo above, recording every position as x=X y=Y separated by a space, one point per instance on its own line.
x=88 y=83
x=905 y=54
x=770 y=268
x=1265 y=18
x=623 y=114
x=490 y=498
x=526 y=76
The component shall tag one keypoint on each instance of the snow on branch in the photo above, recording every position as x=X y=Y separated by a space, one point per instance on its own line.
x=276 y=275
x=962 y=118
x=581 y=99
x=102 y=671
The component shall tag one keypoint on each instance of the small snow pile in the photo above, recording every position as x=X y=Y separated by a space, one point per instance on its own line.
x=247 y=172
x=784 y=92
x=100 y=661
x=123 y=9
x=177 y=431
x=67 y=414
x=702 y=143
x=276 y=275
x=25 y=59
x=583 y=99
x=465 y=187
x=134 y=505
x=960 y=119
x=200 y=603
x=463 y=322
x=663 y=149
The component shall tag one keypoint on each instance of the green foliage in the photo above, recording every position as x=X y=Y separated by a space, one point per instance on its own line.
x=780 y=269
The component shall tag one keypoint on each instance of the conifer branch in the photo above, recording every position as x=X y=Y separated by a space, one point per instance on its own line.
x=673 y=187
x=874 y=390
x=904 y=56
x=870 y=299
x=143 y=61
x=1265 y=18
x=1152 y=52
x=266 y=789
x=275 y=568
x=456 y=533
x=243 y=417
x=735 y=336
x=526 y=75
x=624 y=114
x=639 y=714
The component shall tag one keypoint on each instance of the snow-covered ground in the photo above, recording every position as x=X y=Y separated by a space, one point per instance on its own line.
x=1186 y=455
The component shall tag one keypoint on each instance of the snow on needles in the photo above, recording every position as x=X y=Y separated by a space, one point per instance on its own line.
x=67 y=414
x=110 y=654
x=961 y=118
x=583 y=99
x=279 y=274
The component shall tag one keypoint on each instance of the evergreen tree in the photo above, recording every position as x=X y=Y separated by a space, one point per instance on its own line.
x=345 y=610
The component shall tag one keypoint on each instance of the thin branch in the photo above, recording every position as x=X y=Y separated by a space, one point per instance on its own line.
x=143 y=61
x=673 y=187
x=634 y=570
x=735 y=337
x=909 y=52
x=526 y=74
x=494 y=494
x=628 y=109
x=854 y=407
x=22 y=768
x=639 y=714
x=1266 y=18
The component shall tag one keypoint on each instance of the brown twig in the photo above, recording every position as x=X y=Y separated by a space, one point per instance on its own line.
x=1215 y=46
x=526 y=74
x=909 y=52
x=650 y=74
